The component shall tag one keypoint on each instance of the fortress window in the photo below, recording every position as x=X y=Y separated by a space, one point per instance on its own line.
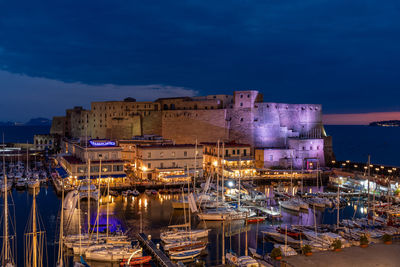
x=267 y=106
x=304 y=148
x=310 y=147
x=165 y=106
x=271 y=157
x=317 y=147
x=161 y=165
x=255 y=119
x=149 y=165
x=173 y=164
x=241 y=119
x=205 y=107
x=233 y=151
x=226 y=153
x=248 y=96
x=212 y=107
x=215 y=96
x=195 y=106
x=241 y=96
x=185 y=153
x=149 y=154
x=244 y=152
x=241 y=104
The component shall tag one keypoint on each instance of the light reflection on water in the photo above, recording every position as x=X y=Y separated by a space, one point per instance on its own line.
x=157 y=214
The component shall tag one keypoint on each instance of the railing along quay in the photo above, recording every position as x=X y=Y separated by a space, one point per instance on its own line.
x=159 y=256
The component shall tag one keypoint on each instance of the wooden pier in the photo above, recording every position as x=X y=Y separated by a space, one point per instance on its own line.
x=159 y=256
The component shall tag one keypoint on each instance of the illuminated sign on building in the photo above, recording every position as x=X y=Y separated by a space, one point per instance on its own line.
x=99 y=143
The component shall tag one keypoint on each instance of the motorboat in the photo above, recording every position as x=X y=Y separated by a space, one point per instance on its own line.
x=173 y=235
x=185 y=255
x=178 y=244
x=188 y=248
x=112 y=254
x=286 y=250
x=290 y=205
x=135 y=261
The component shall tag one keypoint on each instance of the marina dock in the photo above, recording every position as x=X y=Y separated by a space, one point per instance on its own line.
x=160 y=258
x=374 y=255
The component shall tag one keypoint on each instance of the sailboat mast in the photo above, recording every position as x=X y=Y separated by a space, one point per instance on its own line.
x=189 y=214
x=291 y=173
x=240 y=174
x=27 y=158
x=5 y=240
x=108 y=200
x=195 y=168
x=34 y=233
x=89 y=184
x=223 y=163
x=369 y=173
x=79 y=223
x=98 y=202
x=338 y=204
x=60 y=262
x=217 y=168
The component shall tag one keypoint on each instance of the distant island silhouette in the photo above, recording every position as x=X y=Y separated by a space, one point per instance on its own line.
x=31 y=122
x=391 y=123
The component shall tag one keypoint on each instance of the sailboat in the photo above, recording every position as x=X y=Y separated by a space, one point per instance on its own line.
x=7 y=256
x=222 y=212
x=185 y=231
x=35 y=239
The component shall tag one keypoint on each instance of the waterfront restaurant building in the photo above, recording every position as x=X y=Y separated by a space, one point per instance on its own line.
x=168 y=163
x=231 y=159
x=103 y=156
x=129 y=146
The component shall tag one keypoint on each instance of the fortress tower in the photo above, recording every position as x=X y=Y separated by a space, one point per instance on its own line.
x=279 y=133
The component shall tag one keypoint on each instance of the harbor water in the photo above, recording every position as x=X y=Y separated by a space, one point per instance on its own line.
x=155 y=213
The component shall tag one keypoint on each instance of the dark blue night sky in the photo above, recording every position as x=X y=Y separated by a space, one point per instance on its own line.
x=57 y=54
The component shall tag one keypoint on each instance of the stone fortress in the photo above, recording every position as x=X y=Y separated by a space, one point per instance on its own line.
x=280 y=134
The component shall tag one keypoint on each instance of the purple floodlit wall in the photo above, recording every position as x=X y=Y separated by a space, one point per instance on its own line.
x=243 y=118
x=305 y=149
x=271 y=157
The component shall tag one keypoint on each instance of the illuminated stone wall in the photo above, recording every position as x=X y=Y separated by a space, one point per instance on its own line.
x=242 y=118
x=185 y=126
